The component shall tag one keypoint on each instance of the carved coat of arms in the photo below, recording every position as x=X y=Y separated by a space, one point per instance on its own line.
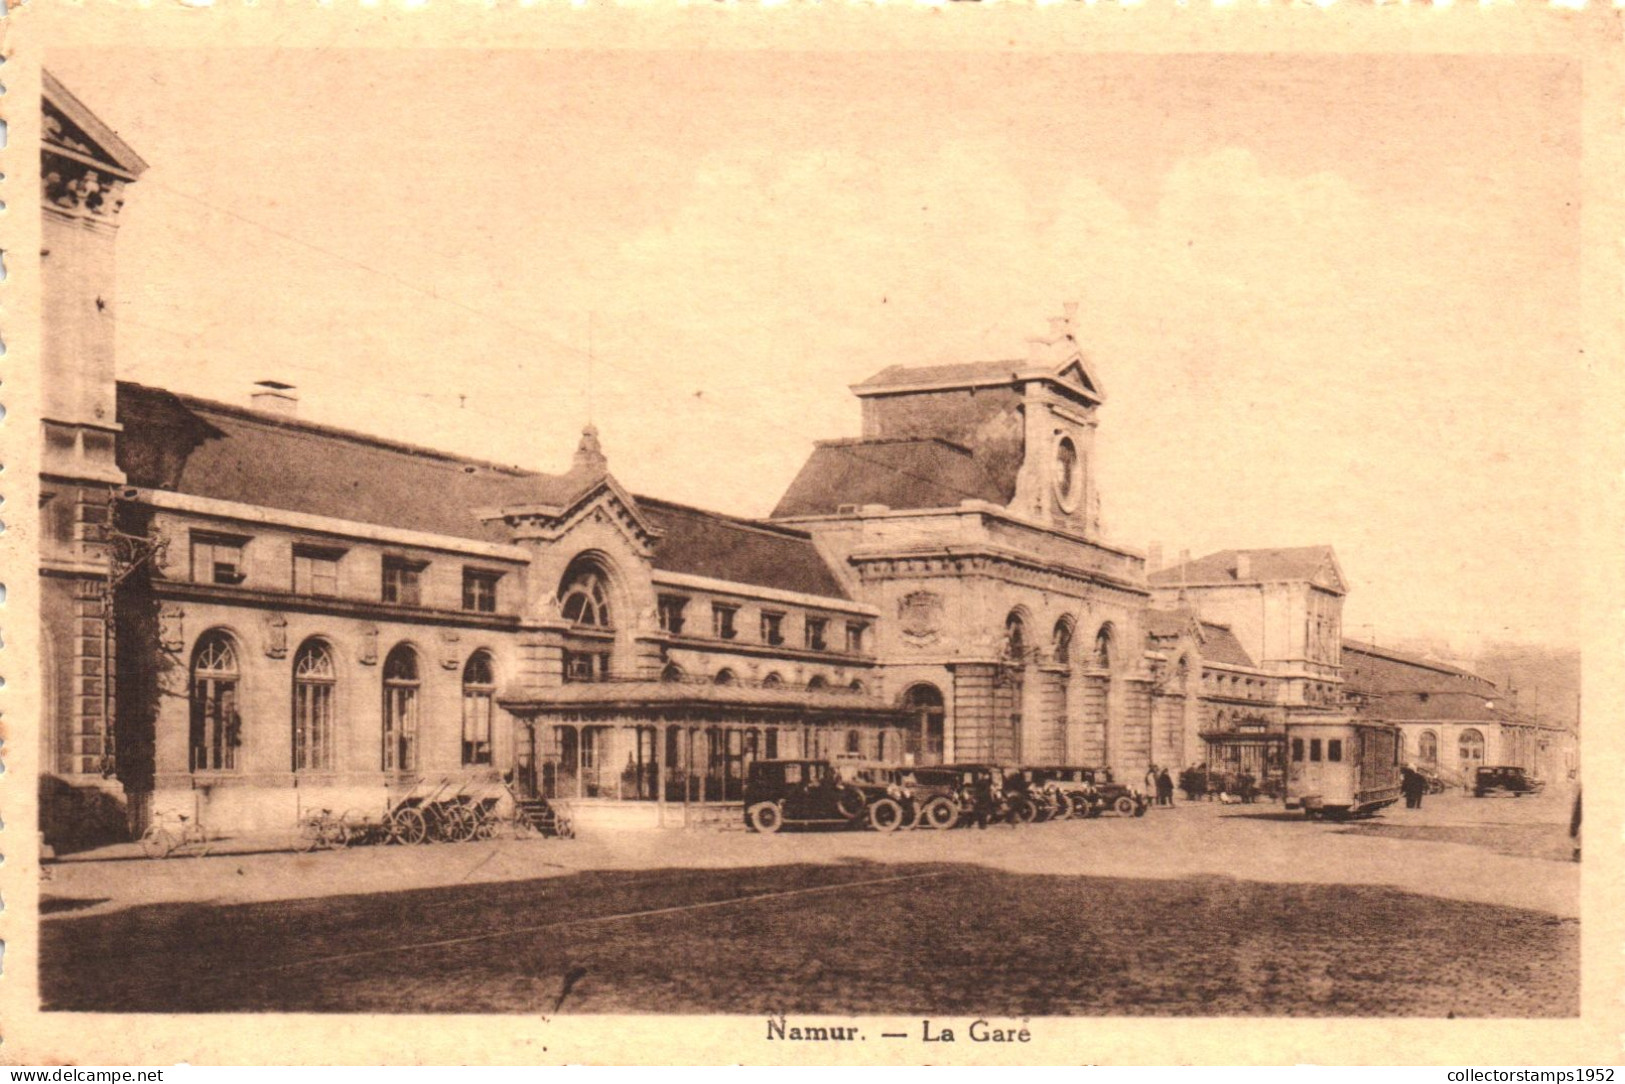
x=919 y=618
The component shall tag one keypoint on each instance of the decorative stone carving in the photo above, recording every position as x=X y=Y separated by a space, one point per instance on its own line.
x=75 y=187
x=451 y=655
x=172 y=628
x=369 y=646
x=919 y=618
x=276 y=636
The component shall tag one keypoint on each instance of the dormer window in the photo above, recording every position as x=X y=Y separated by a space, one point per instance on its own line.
x=817 y=633
x=316 y=570
x=218 y=558
x=855 y=631
x=772 y=628
x=723 y=623
x=670 y=609
x=403 y=581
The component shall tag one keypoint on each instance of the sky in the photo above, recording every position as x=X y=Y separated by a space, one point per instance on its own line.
x=1332 y=299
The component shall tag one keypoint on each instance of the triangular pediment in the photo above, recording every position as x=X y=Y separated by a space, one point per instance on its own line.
x=70 y=129
x=605 y=503
x=1329 y=577
x=1079 y=375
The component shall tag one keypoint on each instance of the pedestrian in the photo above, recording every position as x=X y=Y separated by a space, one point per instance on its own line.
x=1151 y=781
x=1574 y=822
x=1165 y=788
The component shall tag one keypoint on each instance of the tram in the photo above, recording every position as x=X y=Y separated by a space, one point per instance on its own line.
x=1341 y=767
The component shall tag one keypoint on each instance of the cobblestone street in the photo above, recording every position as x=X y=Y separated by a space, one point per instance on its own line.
x=1466 y=907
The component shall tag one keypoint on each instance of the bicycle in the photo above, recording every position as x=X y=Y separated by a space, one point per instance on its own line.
x=321 y=831
x=160 y=840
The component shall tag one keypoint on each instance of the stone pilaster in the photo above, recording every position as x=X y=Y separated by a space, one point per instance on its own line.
x=971 y=737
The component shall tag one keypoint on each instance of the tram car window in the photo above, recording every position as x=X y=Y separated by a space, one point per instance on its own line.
x=1341 y=767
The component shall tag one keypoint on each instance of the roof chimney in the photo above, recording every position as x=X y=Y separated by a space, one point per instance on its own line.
x=1244 y=565
x=275 y=397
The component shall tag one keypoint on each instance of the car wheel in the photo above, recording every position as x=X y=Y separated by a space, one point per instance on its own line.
x=766 y=817
x=939 y=813
x=1124 y=806
x=885 y=815
x=850 y=803
x=1023 y=810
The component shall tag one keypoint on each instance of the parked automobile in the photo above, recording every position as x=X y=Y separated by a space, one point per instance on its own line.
x=981 y=792
x=892 y=796
x=781 y=792
x=944 y=795
x=1503 y=779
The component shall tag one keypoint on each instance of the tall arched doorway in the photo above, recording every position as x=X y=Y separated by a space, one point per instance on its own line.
x=927 y=739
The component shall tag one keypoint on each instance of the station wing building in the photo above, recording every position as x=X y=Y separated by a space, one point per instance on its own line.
x=1454 y=721
x=248 y=616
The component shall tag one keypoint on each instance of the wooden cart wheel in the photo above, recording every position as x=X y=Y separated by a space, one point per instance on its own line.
x=407 y=826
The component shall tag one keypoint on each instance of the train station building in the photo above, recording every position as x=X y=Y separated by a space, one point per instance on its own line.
x=248 y=615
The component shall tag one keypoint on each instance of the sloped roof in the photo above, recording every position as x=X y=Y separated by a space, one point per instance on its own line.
x=911 y=472
x=1295 y=563
x=208 y=449
x=956 y=373
x=1219 y=644
x=1374 y=670
x=743 y=551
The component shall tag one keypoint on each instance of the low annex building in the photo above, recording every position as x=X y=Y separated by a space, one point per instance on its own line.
x=1454 y=721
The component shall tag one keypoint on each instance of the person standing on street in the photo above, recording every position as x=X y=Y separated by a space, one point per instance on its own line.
x=1165 y=788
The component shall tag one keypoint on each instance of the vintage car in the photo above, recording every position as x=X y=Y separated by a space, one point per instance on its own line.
x=1503 y=779
x=1099 y=790
x=903 y=796
x=1032 y=795
x=1075 y=784
x=979 y=786
x=781 y=792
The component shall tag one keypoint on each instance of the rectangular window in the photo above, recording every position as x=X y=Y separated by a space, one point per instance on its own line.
x=722 y=621
x=771 y=749
x=671 y=609
x=1314 y=749
x=480 y=590
x=403 y=581
x=218 y=559
x=1297 y=750
x=316 y=570
x=772 y=628
x=1334 y=750
x=817 y=631
x=854 y=637
x=586 y=666
x=792 y=773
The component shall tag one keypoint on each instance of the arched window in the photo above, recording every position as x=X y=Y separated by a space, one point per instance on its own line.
x=314 y=677
x=1470 y=748
x=1015 y=636
x=584 y=596
x=479 y=690
x=725 y=677
x=1062 y=642
x=1427 y=747
x=772 y=680
x=1103 y=648
x=672 y=672
x=401 y=685
x=857 y=687
x=924 y=702
x=817 y=681
x=216 y=726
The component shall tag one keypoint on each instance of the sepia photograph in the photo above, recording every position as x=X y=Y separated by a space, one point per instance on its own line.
x=970 y=539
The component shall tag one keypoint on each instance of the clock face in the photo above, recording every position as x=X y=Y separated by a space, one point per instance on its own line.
x=1066 y=473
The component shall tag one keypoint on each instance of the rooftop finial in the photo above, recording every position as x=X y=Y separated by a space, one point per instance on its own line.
x=589 y=453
